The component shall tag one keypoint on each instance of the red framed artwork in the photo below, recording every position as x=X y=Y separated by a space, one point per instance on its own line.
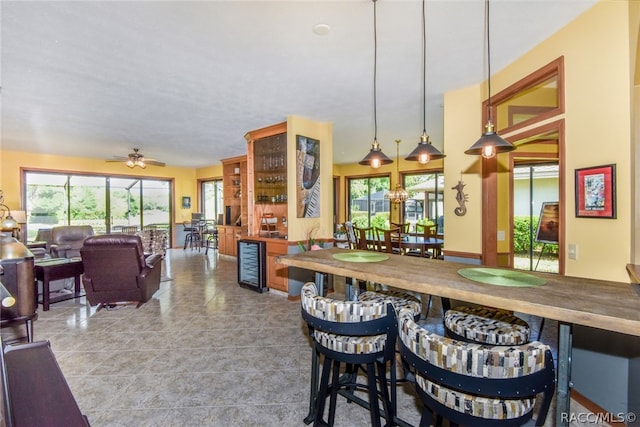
x=596 y=192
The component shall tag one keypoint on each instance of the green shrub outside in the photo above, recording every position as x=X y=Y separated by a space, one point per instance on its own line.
x=521 y=237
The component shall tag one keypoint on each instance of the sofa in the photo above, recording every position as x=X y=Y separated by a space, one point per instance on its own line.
x=66 y=240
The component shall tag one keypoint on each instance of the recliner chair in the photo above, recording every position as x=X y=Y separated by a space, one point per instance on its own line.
x=116 y=270
x=66 y=240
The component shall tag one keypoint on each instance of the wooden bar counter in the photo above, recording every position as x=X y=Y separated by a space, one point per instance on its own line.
x=611 y=306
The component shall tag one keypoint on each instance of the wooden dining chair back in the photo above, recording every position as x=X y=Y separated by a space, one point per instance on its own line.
x=362 y=235
x=404 y=227
x=389 y=240
x=429 y=230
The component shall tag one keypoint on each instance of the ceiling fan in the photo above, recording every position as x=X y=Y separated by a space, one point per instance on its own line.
x=136 y=159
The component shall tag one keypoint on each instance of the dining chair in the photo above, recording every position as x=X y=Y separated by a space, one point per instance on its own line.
x=365 y=238
x=350 y=334
x=209 y=236
x=429 y=231
x=351 y=235
x=192 y=237
x=388 y=240
x=404 y=227
x=472 y=384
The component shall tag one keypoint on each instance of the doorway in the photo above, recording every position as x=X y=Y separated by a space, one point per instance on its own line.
x=536 y=216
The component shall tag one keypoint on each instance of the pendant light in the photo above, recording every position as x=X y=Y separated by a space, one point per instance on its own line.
x=399 y=195
x=489 y=143
x=424 y=152
x=375 y=158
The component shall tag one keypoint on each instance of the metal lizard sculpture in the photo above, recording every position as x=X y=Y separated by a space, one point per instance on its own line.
x=461 y=198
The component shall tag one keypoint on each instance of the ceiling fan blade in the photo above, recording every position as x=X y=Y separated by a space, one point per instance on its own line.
x=154 y=162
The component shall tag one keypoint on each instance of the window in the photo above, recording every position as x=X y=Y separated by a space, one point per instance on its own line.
x=103 y=202
x=212 y=201
x=426 y=199
x=367 y=205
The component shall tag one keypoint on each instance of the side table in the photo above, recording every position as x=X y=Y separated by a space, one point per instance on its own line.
x=54 y=269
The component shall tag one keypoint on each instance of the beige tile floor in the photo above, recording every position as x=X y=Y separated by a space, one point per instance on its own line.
x=202 y=352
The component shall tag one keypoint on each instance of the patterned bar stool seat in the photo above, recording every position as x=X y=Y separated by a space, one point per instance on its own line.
x=350 y=334
x=486 y=325
x=398 y=299
x=476 y=384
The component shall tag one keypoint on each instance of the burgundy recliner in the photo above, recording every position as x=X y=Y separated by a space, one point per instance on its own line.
x=116 y=270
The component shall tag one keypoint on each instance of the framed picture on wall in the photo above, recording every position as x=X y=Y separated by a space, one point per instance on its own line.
x=186 y=202
x=596 y=192
x=307 y=177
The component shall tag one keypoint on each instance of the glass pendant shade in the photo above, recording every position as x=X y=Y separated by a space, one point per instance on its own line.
x=9 y=223
x=375 y=158
x=424 y=152
x=490 y=144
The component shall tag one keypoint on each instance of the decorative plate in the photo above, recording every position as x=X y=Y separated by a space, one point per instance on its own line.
x=360 y=256
x=499 y=277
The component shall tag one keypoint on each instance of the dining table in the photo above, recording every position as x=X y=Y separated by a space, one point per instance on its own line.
x=416 y=241
x=608 y=305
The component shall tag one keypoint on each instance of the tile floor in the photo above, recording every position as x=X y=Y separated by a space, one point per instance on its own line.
x=202 y=352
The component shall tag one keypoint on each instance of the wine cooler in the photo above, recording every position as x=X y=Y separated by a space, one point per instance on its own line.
x=252 y=265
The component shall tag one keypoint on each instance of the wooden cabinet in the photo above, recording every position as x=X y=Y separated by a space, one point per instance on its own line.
x=234 y=190
x=277 y=274
x=227 y=239
x=267 y=178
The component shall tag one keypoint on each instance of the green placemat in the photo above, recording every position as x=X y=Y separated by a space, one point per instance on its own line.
x=360 y=256
x=496 y=276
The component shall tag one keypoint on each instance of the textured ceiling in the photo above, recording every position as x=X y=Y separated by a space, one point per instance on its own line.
x=184 y=81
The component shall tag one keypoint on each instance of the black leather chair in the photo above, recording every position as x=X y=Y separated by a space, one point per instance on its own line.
x=66 y=240
x=116 y=270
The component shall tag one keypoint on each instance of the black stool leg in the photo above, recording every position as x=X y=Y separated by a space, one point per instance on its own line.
x=374 y=408
x=322 y=394
x=313 y=392
x=335 y=385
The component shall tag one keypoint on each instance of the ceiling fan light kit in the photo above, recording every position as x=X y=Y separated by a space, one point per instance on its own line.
x=137 y=159
x=490 y=143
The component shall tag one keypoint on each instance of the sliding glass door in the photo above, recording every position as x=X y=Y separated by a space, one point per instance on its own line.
x=106 y=203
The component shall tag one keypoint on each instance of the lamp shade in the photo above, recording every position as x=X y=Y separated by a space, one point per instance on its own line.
x=424 y=152
x=375 y=158
x=19 y=216
x=490 y=144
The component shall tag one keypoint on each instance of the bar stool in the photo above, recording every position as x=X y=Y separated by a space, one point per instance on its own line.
x=472 y=384
x=486 y=325
x=353 y=333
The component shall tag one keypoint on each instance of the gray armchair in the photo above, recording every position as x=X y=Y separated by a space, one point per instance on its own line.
x=66 y=240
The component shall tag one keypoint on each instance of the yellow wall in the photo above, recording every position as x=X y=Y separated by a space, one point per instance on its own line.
x=11 y=163
x=462 y=127
x=597 y=67
x=298 y=228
